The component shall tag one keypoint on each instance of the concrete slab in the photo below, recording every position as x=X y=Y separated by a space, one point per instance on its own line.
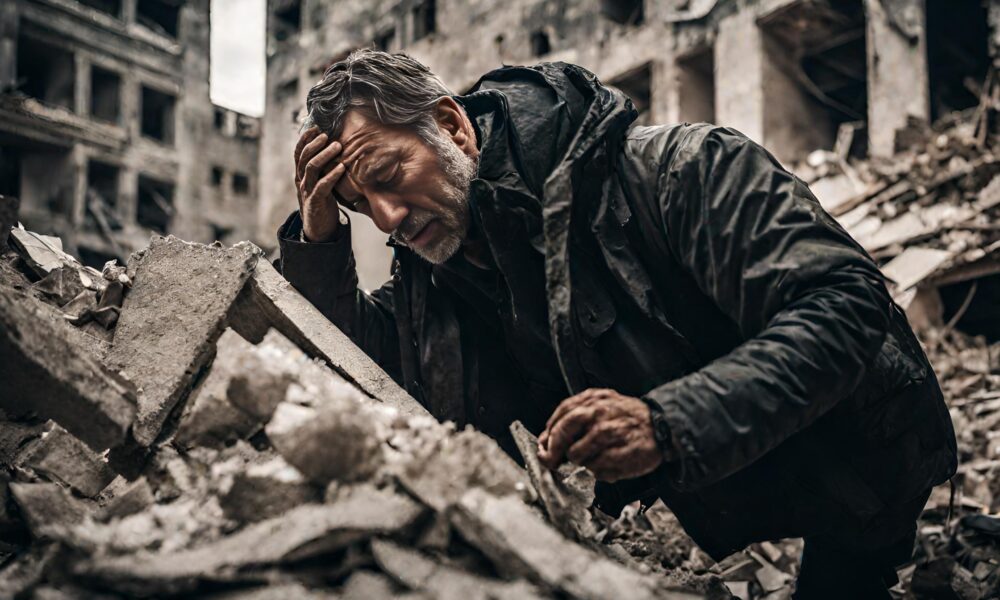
x=270 y=301
x=521 y=544
x=172 y=318
x=59 y=455
x=50 y=510
x=45 y=373
x=300 y=533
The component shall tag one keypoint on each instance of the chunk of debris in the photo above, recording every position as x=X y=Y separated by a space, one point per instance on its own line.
x=130 y=498
x=521 y=544
x=171 y=319
x=300 y=533
x=61 y=456
x=333 y=442
x=566 y=494
x=270 y=301
x=47 y=375
x=419 y=573
x=265 y=491
x=49 y=509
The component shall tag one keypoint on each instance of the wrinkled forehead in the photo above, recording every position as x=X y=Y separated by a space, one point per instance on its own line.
x=363 y=141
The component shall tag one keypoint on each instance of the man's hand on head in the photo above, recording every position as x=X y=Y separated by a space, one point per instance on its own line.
x=607 y=432
x=316 y=174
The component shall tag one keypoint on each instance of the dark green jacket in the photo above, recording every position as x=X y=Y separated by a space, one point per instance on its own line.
x=681 y=264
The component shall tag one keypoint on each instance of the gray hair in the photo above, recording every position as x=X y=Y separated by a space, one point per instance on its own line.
x=393 y=89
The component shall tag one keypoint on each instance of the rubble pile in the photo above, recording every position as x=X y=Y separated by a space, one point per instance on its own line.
x=215 y=437
x=928 y=214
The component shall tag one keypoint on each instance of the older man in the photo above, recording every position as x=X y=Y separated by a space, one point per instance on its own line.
x=665 y=305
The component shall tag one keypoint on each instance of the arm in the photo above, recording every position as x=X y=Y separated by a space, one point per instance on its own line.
x=810 y=303
x=325 y=274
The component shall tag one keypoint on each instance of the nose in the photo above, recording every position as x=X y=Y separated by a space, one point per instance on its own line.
x=388 y=210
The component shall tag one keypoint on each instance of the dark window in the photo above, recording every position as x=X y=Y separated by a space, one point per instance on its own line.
x=540 y=43
x=161 y=16
x=112 y=7
x=636 y=84
x=424 y=19
x=385 y=39
x=219 y=232
x=105 y=95
x=216 y=176
x=96 y=258
x=816 y=77
x=696 y=86
x=220 y=119
x=157 y=115
x=241 y=184
x=46 y=72
x=626 y=12
x=102 y=197
x=10 y=171
x=155 y=204
x=287 y=20
x=957 y=53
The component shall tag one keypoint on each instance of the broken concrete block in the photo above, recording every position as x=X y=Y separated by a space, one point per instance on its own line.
x=62 y=285
x=441 y=470
x=8 y=218
x=365 y=585
x=566 y=494
x=270 y=301
x=521 y=544
x=209 y=418
x=49 y=509
x=336 y=441
x=14 y=437
x=300 y=533
x=267 y=490
x=42 y=253
x=59 y=455
x=419 y=573
x=44 y=373
x=171 y=319
x=128 y=499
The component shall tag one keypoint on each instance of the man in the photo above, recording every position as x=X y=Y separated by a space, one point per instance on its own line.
x=664 y=305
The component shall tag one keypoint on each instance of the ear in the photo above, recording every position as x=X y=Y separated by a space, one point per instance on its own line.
x=455 y=124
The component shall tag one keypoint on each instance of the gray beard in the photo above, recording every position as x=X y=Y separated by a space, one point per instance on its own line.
x=459 y=170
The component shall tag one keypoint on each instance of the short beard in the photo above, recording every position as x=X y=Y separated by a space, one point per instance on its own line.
x=459 y=171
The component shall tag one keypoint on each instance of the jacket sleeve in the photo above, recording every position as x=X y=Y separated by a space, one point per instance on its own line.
x=811 y=305
x=325 y=273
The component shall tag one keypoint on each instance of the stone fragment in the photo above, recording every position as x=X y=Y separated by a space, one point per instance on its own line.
x=336 y=441
x=265 y=491
x=441 y=469
x=59 y=455
x=365 y=585
x=61 y=285
x=171 y=319
x=419 y=573
x=566 y=494
x=209 y=419
x=49 y=509
x=133 y=497
x=15 y=436
x=45 y=374
x=27 y=570
x=521 y=544
x=270 y=301
x=300 y=533
x=42 y=253
x=8 y=218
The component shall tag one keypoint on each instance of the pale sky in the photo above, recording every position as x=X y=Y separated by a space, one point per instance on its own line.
x=238 y=66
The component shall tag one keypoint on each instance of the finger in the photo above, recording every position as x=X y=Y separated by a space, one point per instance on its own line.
x=565 y=432
x=315 y=166
x=598 y=439
x=324 y=187
x=585 y=397
x=309 y=151
x=543 y=439
x=306 y=137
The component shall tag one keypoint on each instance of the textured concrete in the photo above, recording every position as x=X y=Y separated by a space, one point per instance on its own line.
x=270 y=301
x=59 y=455
x=171 y=320
x=44 y=372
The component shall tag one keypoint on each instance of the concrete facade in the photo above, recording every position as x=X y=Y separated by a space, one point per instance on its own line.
x=107 y=132
x=795 y=75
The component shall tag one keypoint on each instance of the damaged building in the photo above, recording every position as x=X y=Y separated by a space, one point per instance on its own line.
x=107 y=132
x=794 y=75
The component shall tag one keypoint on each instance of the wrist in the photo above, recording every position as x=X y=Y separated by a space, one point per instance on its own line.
x=661 y=429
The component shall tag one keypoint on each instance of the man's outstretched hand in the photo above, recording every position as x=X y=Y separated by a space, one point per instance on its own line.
x=610 y=434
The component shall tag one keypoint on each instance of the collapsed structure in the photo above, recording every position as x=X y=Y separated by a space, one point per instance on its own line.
x=107 y=132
